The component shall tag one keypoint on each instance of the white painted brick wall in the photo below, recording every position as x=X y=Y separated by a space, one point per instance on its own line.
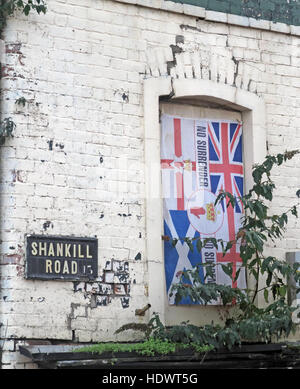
x=81 y=69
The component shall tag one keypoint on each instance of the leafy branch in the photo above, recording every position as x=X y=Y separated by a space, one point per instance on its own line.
x=8 y=7
x=6 y=129
x=257 y=229
x=262 y=325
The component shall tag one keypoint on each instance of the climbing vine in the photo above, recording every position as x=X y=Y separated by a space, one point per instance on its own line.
x=8 y=8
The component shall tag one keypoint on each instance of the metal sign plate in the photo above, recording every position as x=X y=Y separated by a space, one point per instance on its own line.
x=61 y=258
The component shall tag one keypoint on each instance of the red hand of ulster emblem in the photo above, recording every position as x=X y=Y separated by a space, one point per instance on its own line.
x=197 y=211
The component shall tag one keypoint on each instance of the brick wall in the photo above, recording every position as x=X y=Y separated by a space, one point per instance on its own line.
x=75 y=164
x=283 y=11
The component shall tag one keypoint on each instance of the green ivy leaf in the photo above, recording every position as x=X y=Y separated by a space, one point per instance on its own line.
x=174 y=242
x=189 y=243
x=237 y=274
x=228 y=246
x=294 y=211
x=265 y=264
x=227 y=269
x=269 y=279
x=280 y=158
x=266 y=295
x=257 y=174
x=26 y=9
x=255 y=273
x=282 y=291
x=199 y=245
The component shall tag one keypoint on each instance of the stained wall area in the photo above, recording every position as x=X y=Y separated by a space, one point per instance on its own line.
x=76 y=163
x=286 y=11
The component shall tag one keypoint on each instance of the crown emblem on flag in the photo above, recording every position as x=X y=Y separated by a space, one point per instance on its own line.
x=188 y=165
x=210 y=212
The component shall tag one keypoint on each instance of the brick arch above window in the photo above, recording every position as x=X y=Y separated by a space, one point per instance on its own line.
x=198 y=60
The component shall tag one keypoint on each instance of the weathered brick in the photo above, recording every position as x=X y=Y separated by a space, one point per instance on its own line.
x=85 y=95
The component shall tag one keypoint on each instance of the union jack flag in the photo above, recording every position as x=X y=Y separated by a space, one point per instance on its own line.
x=199 y=158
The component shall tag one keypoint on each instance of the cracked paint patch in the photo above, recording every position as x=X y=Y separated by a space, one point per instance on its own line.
x=113 y=283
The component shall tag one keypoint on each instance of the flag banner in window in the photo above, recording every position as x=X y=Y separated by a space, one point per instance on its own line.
x=200 y=158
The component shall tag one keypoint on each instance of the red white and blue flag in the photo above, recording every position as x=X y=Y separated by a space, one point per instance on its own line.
x=199 y=158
